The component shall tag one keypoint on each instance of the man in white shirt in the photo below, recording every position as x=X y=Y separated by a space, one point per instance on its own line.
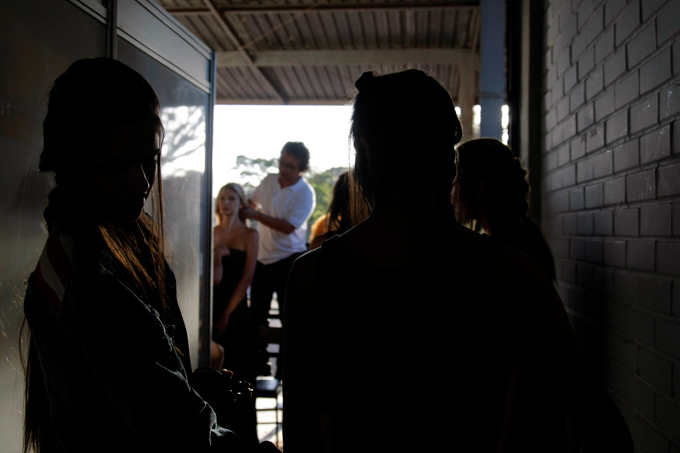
x=285 y=202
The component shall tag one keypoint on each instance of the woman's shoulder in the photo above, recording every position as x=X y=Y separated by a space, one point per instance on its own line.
x=249 y=237
x=307 y=262
x=301 y=282
x=251 y=233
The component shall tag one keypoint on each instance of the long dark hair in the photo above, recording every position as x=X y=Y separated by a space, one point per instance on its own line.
x=85 y=105
x=506 y=196
x=339 y=216
x=411 y=124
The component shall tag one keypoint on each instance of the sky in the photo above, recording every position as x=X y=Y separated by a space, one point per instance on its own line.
x=261 y=131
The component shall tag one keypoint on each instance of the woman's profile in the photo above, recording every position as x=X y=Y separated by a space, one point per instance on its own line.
x=491 y=188
x=235 y=259
x=108 y=365
x=412 y=325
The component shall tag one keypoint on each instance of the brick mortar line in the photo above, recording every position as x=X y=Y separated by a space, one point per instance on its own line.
x=659 y=275
x=617 y=47
x=647 y=311
x=671 y=160
x=624 y=336
x=668 y=161
x=673 y=80
x=614 y=237
x=669 y=120
x=602 y=356
x=628 y=71
x=637 y=411
x=652 y=202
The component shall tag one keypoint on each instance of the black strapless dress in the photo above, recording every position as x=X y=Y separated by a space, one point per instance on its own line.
x=237 y=341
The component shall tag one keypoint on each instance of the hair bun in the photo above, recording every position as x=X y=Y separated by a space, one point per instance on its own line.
x=365 y=80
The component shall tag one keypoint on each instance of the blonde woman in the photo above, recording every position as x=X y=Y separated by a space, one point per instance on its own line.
x=235 y=259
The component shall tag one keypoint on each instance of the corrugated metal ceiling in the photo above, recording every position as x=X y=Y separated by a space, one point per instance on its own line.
x=307 y=52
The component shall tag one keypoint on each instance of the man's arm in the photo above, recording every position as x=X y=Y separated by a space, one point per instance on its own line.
x=282 y=225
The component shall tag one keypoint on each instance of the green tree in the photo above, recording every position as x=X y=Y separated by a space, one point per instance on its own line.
x=253 y=171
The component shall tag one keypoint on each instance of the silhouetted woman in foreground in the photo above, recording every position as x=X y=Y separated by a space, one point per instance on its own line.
x=407 y=340
x=491 y=188
x=108 y=360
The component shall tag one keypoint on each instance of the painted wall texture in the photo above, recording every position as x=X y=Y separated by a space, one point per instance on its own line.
x=611 y=197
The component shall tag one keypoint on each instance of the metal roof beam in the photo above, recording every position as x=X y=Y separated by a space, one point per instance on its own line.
x=326 y=7
x=465 y=57
x=245 y=58
x=277 y=102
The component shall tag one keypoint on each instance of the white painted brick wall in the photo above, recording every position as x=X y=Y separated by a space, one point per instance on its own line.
x=611 y=197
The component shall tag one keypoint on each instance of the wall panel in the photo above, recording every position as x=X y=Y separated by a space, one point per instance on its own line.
x=39 y=39
x=183 y=112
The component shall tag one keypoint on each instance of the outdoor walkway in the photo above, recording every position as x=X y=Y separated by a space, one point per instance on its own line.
x=266 y=428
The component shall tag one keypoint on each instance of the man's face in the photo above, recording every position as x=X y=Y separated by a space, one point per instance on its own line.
x=289 y=169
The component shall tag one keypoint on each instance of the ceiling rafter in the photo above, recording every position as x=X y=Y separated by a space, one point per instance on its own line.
x=231 y=35
x=345 y=7
x=384 y=36
x=278 y=58
x=311 y=101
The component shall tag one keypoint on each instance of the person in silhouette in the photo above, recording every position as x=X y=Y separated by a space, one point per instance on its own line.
x=403 y=333
x=235 y=259
x=491 y=188
x=108 y=365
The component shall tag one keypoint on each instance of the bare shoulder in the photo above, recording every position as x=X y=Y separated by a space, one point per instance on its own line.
x=251 y=234
x=218 y=234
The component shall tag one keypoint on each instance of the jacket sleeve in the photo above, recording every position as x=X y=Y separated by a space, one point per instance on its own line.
x=134 y=359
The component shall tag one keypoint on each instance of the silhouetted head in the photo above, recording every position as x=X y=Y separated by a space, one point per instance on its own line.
x=409 y=125
x=491 y=187
x=102 y=139
x=491 y=178
x=230 y=199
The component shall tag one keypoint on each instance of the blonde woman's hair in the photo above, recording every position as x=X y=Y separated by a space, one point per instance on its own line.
x=241 y=196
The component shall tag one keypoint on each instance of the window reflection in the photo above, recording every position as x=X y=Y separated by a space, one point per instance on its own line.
x=184 y=143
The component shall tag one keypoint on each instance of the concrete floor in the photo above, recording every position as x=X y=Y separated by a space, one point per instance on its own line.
x=266 y=419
